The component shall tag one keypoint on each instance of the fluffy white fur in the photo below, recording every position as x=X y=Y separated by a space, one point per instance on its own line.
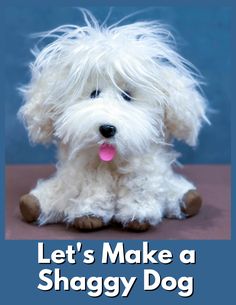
x=166 y=103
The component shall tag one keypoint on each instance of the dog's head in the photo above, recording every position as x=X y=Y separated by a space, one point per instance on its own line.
x=117 y=89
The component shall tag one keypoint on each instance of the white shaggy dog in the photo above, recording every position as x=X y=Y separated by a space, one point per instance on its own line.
x=111 y=99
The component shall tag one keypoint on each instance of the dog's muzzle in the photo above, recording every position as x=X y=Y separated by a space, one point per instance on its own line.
x=107 y=131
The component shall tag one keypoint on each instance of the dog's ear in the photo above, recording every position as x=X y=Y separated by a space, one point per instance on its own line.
x=35 y=112
x=50 y=83
x=185 y=106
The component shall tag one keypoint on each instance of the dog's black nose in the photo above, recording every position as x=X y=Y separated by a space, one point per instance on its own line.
x=107 y=131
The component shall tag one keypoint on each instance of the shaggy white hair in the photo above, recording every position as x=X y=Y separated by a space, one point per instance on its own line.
x=164 y=101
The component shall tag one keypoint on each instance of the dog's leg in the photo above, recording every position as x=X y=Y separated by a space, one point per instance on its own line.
x=48 y=201
x=144 y=200
x=92 y=209
x=79 y=198
x=182 y=198
x=138 y=206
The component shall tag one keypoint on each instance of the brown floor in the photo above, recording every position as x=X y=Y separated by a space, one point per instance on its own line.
x=213 y=222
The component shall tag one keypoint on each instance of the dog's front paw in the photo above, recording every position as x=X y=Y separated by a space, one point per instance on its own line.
x=29 y=207
x=192 y=203
x=88 y=223
x=135 y=225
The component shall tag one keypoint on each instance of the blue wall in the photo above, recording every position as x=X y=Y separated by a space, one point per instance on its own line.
x=204 y=39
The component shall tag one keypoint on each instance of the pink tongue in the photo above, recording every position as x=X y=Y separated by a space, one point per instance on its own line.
x=107 y=152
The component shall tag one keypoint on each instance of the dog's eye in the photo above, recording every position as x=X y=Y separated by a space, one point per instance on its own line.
x=95 y=93
x=126 y=96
